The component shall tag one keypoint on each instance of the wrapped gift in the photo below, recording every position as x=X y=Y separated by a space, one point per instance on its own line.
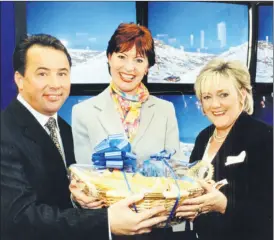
x=114 y=153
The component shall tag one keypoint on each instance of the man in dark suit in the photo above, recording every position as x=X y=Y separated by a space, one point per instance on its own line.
x=36 y=148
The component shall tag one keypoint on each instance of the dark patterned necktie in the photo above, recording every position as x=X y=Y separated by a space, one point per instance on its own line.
x=52 y=127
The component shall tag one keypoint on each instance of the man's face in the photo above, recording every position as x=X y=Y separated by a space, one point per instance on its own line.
x=46 y=83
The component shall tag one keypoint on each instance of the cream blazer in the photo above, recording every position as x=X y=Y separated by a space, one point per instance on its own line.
x=96 y=118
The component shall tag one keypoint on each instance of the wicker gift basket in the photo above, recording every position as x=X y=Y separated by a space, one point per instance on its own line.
x=114 y=185
x=115 y=175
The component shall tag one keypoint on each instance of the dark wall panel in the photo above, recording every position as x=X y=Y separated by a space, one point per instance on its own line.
x=8 y=87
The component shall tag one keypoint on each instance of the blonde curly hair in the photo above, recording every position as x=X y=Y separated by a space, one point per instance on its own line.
x=234 y=71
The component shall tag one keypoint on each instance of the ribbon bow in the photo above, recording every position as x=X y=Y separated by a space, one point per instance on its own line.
x=114 y=152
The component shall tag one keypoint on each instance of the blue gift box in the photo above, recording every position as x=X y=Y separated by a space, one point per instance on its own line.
x=114 y=153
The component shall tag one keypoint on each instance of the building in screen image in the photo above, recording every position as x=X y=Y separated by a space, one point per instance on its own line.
x=264 y=73
x=190 y=34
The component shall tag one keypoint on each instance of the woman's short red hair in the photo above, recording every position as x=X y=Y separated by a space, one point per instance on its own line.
x=129 y=34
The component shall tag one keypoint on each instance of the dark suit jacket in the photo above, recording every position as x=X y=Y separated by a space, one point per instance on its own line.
x=250 y=190
x=35 y=199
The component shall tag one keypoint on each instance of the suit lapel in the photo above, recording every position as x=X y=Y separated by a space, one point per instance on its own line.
x=232 y=145
x=220 y=158
x=108 y=116
x=32 y=130
x=147 y=115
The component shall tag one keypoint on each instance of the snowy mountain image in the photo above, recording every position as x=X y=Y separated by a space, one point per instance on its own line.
x=81 y=56
x=174 y=65
x=265 y=62
x=89 y=66
x=178 y=66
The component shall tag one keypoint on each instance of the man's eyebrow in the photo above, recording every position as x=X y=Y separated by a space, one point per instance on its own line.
x=42 y=68
x=47 y=69
x=63 y=69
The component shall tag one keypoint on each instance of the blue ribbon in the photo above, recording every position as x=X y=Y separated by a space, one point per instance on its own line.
x=129 y=188
x=178 y=196
x=163 y=156
x=114 y=153
x=187 y=164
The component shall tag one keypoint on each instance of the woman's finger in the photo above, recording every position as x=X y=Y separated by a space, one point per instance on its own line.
x=207 y=186
x=97 y=204
x=186 y=214
x=79 y=195
x=188 y=208
x=195 y=201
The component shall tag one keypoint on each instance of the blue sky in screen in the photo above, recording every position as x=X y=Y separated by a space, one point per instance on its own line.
x=80 y=24
x=175 y=22
x=266 y=23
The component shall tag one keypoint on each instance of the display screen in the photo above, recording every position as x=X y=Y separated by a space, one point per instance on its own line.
x=189 y=34
x=264 y=73
x=85 y=29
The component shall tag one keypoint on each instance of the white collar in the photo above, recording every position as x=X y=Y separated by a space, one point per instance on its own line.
x=41 y=118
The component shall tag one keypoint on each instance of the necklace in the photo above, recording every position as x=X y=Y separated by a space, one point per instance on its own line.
x=217 y=138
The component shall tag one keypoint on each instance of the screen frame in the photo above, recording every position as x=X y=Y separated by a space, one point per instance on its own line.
x=260 y=87
x=189 y=87
x=142 y=18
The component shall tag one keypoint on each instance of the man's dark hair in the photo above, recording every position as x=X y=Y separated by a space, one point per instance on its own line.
x=44 y=40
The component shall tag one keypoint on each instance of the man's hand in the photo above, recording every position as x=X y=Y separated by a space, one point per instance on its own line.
x=124 y=221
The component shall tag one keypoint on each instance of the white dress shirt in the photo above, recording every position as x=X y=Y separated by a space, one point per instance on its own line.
x=206 y=157
x=42 y=119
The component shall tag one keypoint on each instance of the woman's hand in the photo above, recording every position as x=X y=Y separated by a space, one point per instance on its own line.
x=84 y=200
x=212 y=201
